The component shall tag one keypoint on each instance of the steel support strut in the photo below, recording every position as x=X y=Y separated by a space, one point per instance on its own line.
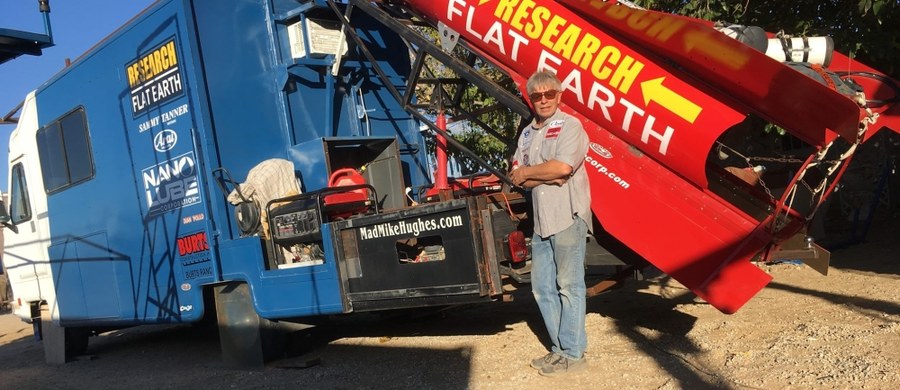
x=466 y=71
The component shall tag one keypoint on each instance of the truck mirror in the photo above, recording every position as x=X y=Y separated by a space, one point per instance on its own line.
x=4 y=218
x=4 y=214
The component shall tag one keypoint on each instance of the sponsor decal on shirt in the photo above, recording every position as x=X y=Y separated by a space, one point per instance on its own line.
x=553 y=132
x=557 y=123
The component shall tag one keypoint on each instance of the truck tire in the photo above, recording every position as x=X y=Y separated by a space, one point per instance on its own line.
x=248 y=341
x=76 y=341
x=5 y=294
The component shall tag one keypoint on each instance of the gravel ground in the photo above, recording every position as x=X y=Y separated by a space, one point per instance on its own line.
x=804 y=331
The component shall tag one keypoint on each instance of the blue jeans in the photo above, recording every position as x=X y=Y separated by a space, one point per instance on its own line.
x=557 y=281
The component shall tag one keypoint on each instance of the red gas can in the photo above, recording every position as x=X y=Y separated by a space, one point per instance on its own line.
x=341 y=178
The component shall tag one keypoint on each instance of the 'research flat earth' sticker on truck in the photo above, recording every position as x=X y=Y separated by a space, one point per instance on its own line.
x=154 y=78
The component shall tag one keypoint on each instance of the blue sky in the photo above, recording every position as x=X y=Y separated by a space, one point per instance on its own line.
x=77 y=25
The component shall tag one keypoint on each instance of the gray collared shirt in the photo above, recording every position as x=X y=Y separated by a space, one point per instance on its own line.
x=561 y=138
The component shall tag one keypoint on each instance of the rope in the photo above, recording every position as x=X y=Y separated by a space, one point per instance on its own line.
x=508 y=207
x=825 y=76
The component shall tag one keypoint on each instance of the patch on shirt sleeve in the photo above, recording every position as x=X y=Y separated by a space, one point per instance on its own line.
x=553 y=132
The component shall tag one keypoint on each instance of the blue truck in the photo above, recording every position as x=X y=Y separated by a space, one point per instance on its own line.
x=237 y=158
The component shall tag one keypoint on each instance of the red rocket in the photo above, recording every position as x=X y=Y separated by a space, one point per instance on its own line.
x=657 y=94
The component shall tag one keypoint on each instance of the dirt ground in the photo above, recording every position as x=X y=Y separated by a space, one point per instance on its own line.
x=804 y=331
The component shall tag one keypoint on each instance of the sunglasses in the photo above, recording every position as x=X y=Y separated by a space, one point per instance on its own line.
x=549 y=95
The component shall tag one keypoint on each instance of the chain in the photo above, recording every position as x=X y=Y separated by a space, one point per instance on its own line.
x=750 y=165
x=785 y=159
x=776 y=159
x=766 y=188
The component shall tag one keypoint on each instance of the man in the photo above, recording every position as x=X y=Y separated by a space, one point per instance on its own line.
x=549 y=161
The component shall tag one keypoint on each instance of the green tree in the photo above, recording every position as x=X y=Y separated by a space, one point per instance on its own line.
x=868 y=30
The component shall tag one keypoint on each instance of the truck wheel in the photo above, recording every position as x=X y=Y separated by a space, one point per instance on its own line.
x=247 y=339
x=5 y=293
x=76 y=341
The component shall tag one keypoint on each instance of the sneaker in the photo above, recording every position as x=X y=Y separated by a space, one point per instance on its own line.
x=542 y=361
x=562 y=365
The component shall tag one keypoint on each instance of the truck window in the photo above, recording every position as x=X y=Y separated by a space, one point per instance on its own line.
x=65 y=152
x=19 y=207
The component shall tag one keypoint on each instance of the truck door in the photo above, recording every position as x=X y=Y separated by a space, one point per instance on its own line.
x=25 y=253
x=166 y=166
